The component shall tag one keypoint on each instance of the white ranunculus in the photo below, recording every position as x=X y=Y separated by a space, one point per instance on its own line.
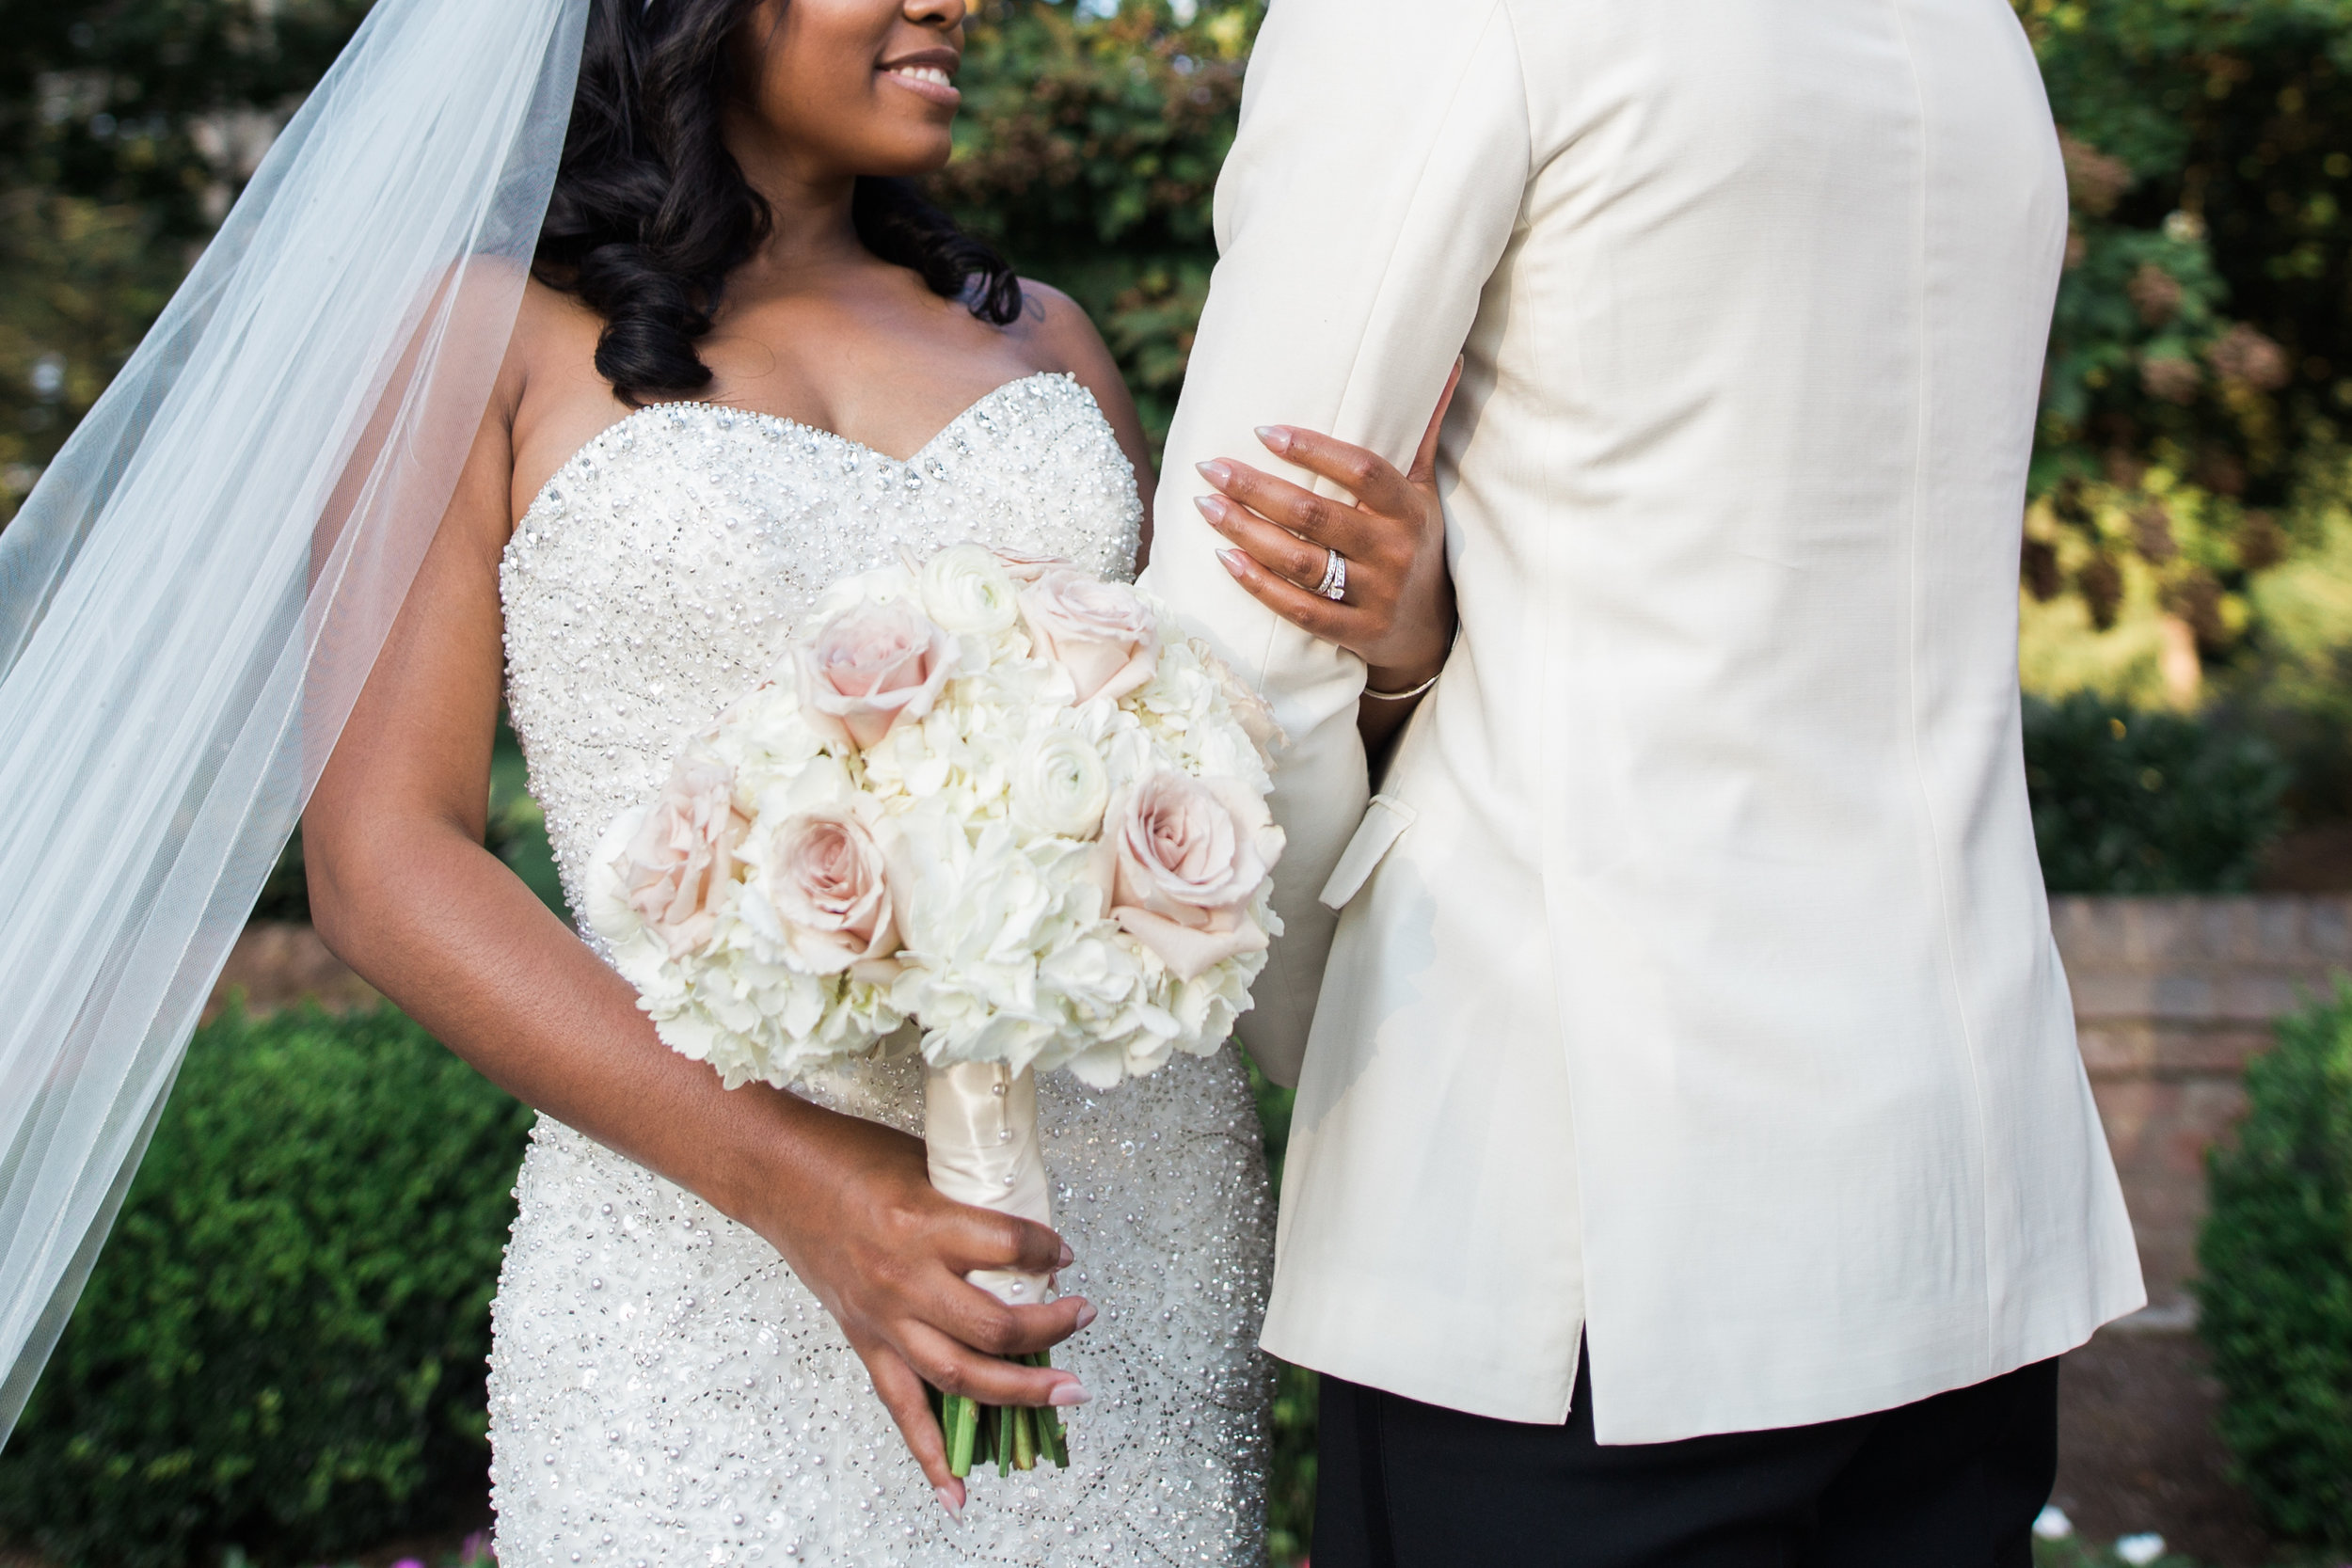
x=1059 y=786
x=880 y=586
x=968 y=592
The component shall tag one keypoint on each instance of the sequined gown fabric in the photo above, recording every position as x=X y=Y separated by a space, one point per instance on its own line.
x=663 y=1391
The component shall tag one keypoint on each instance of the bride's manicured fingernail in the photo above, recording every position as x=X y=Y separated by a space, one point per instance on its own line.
x=1231 y=560
x=1275 y=437
x=953 y=1504
x=1068 y=1257
x=1068 y=1395
x=1215 y=473
x=1213 y=508
x=1086 y=1314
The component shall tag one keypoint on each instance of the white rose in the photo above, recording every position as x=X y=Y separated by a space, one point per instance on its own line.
x=1059 y=786
x=966 y=592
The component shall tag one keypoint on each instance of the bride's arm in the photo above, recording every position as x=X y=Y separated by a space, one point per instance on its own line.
x=403 y=890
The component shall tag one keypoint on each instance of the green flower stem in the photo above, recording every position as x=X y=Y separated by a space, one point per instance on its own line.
x=962 y=1430
x=1013 y=1437
x=1024 y=1440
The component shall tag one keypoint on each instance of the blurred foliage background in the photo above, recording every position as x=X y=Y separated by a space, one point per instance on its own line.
x=2188 y=536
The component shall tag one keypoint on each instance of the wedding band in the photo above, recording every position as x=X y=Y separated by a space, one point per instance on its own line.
x=1334 y=584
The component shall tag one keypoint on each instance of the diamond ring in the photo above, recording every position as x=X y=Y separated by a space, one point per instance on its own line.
x=1334 y=584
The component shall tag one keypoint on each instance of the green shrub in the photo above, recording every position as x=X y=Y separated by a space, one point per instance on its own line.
x=2131 y=801
x=2276 y=1296
x=282 y=1347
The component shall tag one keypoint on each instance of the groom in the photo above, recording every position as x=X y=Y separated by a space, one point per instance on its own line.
x=1691 y=1161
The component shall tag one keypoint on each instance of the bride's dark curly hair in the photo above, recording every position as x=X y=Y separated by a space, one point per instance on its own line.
x=651 y=214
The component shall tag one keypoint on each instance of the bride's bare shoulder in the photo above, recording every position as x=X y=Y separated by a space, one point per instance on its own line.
x=1056 y=331
x=1058 y=335
x=555 y=401
x=554 y=343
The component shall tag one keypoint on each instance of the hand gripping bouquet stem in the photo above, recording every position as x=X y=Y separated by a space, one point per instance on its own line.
x=993 y=809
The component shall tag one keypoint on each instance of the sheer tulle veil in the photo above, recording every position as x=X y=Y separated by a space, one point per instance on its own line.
x=192 y=597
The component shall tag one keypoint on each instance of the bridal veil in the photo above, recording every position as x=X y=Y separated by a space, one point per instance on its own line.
x=192 y=597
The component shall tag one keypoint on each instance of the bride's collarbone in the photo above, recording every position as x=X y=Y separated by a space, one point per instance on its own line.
x=892 y=387
x=885 y=382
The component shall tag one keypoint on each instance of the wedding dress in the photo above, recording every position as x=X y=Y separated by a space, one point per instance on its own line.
x=663 y=1391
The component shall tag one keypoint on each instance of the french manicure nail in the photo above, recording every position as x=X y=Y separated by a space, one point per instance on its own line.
x=1214 y=472
x=953 y=1504
x=1068 y=1394
x=1086 y=1314
x=1231 y=560
x=1275 y=437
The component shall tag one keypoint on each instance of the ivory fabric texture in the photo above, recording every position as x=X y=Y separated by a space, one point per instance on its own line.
x=1694 y=986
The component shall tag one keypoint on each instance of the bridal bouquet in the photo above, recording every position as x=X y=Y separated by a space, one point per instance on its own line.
x=993 y=809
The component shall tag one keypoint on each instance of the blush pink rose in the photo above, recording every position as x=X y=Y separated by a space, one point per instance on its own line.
x=870 y=668
x=1185 y=856
x=826 y=880
x=1252 y=712
x=1100 y=632
x=1029 y=569
x=683 y=855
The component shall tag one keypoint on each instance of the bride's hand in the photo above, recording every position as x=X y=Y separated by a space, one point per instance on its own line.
x=853 y=1212
x=1397 y=614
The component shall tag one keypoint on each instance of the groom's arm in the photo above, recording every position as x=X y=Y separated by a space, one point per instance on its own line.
x=1376 y=177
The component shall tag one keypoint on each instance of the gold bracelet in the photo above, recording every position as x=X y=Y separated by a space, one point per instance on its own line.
x=1402 y=696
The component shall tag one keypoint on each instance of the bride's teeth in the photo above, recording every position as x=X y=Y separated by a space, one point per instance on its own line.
x=922 y=73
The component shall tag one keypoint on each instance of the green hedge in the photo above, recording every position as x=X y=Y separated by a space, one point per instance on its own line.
x=282 y=1347
x=2132 y=801
x=2276 y=1299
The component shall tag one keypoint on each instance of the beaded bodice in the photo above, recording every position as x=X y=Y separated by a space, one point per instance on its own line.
x=662 y=569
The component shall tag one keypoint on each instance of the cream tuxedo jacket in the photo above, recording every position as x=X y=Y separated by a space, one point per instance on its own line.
x=1695 y=987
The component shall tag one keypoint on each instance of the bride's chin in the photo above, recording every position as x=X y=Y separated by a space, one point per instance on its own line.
x=911 y=159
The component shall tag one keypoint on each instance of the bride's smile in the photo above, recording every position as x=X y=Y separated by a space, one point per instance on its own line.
x=929 y=75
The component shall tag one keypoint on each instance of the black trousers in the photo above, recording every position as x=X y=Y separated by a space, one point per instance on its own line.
x=1953 y=1482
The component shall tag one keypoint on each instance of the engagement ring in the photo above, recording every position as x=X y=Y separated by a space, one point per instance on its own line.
x=1334 y=584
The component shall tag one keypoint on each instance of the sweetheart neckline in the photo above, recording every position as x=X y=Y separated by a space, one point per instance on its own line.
x=788 y=423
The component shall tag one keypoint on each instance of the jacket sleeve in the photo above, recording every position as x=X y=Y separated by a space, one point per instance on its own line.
x=1376 y=179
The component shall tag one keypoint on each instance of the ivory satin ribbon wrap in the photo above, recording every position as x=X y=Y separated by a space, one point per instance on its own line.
x=979 y=1121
